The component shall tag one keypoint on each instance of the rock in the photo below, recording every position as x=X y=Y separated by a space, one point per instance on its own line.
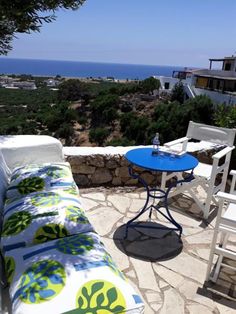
x=101 y=175
x=111 y=164
x=96 y=161
x=122 y=172
x=124 y=162
x=130 y=181
x=76 y=160
x=116 y=181
x=81 y=179
x=83 y=169
x=147 y=177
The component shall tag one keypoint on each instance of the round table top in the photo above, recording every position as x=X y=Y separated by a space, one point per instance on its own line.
x=142 y=157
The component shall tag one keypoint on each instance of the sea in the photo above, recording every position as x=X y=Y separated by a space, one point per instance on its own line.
x=83 y=69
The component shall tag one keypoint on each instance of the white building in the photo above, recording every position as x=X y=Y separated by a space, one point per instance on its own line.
x=218 y=84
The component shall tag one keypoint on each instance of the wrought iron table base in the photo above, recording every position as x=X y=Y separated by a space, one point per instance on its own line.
x=151 y=194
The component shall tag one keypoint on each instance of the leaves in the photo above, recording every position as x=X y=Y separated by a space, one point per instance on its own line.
x=41 y=282
x=16 y=223
x=76 y=214
x=75 y=245
x=50 y=232
x=100 y=297
x=9 y=268
x=28 y=16
x=30 y=185
x=45 y=199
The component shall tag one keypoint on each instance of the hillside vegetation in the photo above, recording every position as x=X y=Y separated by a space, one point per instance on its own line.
x=106 y=113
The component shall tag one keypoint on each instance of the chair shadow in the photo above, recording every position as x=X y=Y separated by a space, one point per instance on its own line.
x=184 y=210
x=219 y=292
x=148 y=244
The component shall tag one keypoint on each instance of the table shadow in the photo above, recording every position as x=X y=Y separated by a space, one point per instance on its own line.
x=148 y=244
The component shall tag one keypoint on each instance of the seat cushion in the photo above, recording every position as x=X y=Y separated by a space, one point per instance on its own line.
x=66 y=274
x=35 y=178
x=41 y=217
x=202 y=170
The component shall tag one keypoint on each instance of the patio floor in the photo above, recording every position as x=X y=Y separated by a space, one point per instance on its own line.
x=169 y=274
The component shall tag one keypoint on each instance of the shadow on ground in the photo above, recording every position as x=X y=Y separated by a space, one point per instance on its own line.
x=148 y=244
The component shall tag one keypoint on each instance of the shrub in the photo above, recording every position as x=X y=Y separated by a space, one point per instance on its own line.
x=149 y=85
x=98 y=135
x=122 y=141
x=71 y=90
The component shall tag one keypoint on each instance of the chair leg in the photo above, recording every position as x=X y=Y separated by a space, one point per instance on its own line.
x=224 y=239
x=211 y=256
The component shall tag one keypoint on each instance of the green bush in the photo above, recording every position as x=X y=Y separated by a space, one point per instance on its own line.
x=104 y=109
x=149 y=85
x=122 y=141
x=98 y=135
x=71 y=90
x=65 y=131
x=177 y=93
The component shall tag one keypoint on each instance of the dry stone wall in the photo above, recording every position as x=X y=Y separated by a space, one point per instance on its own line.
x=107 y=166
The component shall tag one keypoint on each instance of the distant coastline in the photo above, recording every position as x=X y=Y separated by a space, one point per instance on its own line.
x=77 y=69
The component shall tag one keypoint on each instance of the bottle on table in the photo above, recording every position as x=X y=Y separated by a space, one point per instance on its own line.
x=156 y=144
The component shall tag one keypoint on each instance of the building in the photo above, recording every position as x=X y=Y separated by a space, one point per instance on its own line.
x=219 y=84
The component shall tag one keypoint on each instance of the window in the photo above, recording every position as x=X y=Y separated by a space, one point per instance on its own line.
x=167 y=85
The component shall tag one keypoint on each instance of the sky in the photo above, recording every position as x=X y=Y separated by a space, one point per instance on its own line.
x=154 y=32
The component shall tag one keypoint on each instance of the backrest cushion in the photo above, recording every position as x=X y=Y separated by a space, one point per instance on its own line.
x=4 y=179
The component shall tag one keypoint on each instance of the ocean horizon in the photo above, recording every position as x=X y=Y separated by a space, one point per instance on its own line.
x=83 y=69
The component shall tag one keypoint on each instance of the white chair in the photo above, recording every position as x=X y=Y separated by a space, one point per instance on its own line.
x=225 y=227
x=205 y=174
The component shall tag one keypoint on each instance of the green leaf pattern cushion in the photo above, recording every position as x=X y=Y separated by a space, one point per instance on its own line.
x=68 y=274
x=35 y=178
x=42 y=217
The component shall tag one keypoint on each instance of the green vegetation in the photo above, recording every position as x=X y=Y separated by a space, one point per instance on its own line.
x=34 y=112
x=177 y=93
x=149 y=85
x=71 y=90
x=112 y=113
x=98 y=135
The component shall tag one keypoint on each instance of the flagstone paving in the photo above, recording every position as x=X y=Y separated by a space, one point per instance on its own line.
x=168 y=273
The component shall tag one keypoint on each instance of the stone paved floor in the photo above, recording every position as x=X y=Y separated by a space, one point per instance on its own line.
x=167 y=273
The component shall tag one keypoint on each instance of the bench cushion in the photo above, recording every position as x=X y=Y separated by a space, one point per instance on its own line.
x=34 y=178
x=41 y=217
x=70 y=273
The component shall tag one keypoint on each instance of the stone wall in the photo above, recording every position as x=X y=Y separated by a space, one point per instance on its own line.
x=95 y=166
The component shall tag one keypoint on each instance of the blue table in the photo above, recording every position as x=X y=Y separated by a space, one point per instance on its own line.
x=143 y=158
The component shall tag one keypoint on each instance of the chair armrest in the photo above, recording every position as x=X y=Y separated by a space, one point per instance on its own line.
x=223 y=152
x=227 y=196
x=180 y=140
x=233 y=172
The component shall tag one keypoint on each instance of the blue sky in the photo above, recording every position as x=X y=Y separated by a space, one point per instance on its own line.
x=170 y=32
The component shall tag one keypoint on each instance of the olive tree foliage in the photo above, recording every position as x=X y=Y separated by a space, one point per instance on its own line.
x=149 y=85
x=17 y=16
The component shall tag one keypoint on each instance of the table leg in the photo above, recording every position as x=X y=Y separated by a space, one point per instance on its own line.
x=163 y=195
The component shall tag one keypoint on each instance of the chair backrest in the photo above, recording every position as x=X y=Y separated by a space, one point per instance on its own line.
x=204 y=132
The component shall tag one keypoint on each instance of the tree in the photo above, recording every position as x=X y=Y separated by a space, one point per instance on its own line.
x=149 y=85
x=71 y=90
x=28 y=16
x=177 y=93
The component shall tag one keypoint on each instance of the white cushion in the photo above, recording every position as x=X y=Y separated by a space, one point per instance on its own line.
x=4 y=179
x=21 y=150
x=66 y=274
